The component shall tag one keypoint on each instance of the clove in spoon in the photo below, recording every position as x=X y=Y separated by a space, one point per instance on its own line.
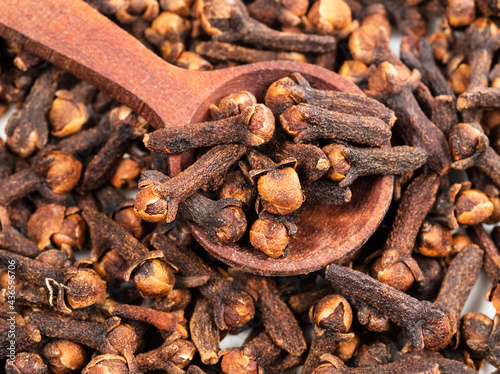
x=78 y=39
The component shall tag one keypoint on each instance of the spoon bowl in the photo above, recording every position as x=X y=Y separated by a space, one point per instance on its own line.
x=77 y=38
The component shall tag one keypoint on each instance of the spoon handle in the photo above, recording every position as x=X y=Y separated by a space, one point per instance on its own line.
x=77 y=38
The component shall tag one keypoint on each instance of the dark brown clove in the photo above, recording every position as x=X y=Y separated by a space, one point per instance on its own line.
x=312 y=163
x=278 y=320
x=457 y=284
x=55 y=174
x=13 y=242
x=68 y=112
x=396 y=266
x=107 y=363
x=25 y=336
x=166 y=322
x=278 y=185
x=331 y=318
x=348 y=163
x=125 y=126
x=147 y=269
x=76 y=287
x=217 y=51
x=422 y=325
x=238 y=186
x=253 y=127
x=416 y=53
x=335 y=366
x=230 y=23
x=26 y=362
x=470 y=147
x=158 y=200
x=223 y=220
x=393 y=85
x=28 y=130
x=306 y=122
x=295 y=89
x=282 y=12
x=481 y=336
x=271 y=234
x=110 y=336
x=325 y=192
x=65 y=356
x=232 y=307
x=204 y=332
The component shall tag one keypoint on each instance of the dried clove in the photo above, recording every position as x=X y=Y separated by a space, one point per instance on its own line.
x=396 y=267
x=423 y=326
x=204 y=332
x=55 y=174
x=278 y=320
x=278 y=185
x=71 y=286
x=68 y=112
x=110 y=336
x=28 y=130
x=65 y=356
x=229 y=22
x=394 y=85
x=306 y=122
x=348 y=163
x=332 y=318
x=253 y=127
x=166 y=322
x=147 y=269
x=232 y=307
x=158 y=199
x=295 y=89
x=223 y=220
x=312 y=163
x=125 y=126
x=217 y=51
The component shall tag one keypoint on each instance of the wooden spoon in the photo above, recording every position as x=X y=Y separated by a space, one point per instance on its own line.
x=77 y=38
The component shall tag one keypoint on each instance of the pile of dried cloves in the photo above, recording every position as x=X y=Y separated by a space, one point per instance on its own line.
x=145 y=297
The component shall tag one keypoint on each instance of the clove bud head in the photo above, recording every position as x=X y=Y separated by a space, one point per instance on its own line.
x=333 y=313
x=293 y=122
x=235 y=362
x=365 y=42
x=270 y=236
x=184 y=354
x=64 y=356
x=85 y=288
x=283 y=94
x=472 y=207
x=280 y=191
x=434 y=240
x=107 y=364
x=236 y=227
x=239 y=308
x=339 y=166
x=28 y=362
x=154 y=278
x=397 y=275
x=475 y=327
x=466 y=140
x=233 y=104
x=61 y=171
x=237 y=186
x=150 y=206
x=260 y=121
x=66 y=115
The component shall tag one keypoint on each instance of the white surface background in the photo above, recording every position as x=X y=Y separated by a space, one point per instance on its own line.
x=475 y=303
